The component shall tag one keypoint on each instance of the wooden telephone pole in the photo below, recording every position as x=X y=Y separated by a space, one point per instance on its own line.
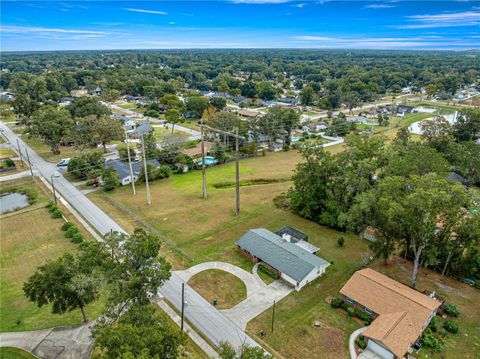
x=149 y=201
x=237 y=158
x=130 y=163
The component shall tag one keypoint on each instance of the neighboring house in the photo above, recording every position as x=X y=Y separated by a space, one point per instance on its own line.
x=315 y=127
x=292 y=262
x=8 y=96
x=250 y=114
x=128 y=123
x=356 y=119
x=95 y=91
x=238 y=99
x=454 y=176
x=142 y=129
x=65 y=101
x=400 y=313
x=403 y=110
x=123 y=169
x=289 y=100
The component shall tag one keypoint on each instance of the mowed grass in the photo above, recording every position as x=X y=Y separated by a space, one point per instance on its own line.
x=214 y=284
x=14 y=353
x=161 y=132
x=65 y=151
x=29 y=238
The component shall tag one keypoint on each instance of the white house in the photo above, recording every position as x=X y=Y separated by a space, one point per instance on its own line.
x=289 y=258
x=123 y=169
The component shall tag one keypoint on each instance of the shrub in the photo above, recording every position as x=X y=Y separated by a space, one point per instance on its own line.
x=336 y=303
x=56 y=213
x=71 y=232
x=50 y=204
x=271 y=273
x=67 y=225
x=77 y=238
x=451 y=309
x=350 y=311
x=434 y=324
x=361 y=315
x=53 y=208
x=429 y=340
x=164 y=171
x=360 y=341
x=340 y=241
x=450 y=326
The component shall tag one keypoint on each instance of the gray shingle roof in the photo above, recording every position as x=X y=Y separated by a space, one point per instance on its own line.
x=123 y=169
x=284 y=256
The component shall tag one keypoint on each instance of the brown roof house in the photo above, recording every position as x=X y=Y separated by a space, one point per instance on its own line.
x=400 y=313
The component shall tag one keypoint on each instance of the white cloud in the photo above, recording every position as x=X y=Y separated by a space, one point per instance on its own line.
x=171 y=22
x=147 y=11
x=301 y=5
x=379 y=6
x=466 y=18
x=381 y=42
x=52 y=33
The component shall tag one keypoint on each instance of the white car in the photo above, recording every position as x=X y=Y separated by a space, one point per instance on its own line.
x=56 y=174
x=63 y=162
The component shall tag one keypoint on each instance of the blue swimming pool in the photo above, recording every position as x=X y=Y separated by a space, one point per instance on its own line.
x=208 y=161
x=295 y=139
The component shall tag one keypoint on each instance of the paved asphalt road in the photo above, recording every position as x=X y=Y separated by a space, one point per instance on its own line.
x=213 y=324
x=94 y=215
x=208 y=320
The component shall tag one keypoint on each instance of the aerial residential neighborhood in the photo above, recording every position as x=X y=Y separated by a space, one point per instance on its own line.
x=239 y=179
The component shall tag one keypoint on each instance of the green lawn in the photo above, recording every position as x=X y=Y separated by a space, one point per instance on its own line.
x=65 y=151
x=128 y=106
x=161 y=133
x=407 y=120
x=214 y=284
x=29 y=238
x=14 y=353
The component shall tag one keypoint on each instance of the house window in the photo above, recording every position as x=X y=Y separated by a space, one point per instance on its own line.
x=350 y=300
x=368 y=311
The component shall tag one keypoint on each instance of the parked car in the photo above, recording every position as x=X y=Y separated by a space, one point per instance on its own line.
x=63 y=162
x=56 y=174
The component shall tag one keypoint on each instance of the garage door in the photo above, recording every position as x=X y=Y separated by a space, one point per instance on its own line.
x=374 y=347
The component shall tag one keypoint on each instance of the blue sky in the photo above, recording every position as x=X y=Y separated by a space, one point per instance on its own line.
x=79 y=25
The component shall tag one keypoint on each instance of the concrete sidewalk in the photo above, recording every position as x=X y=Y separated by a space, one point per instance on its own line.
x=56 y=343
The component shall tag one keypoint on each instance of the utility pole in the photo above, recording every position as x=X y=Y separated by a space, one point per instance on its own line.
x=54 y=193
x=149 y=202
x=237 y=173
x=273 y=315
x=183 y=305
x=130 y=163
x=204 y=172
x=29 y=163
x=20 y=152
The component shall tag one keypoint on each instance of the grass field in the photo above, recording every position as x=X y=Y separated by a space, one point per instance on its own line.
x=161 y=132
x=214 y=284
x=65 y=151
x=14 y=353
x=28 y=239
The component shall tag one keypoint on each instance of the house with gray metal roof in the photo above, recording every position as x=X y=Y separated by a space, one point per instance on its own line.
x=294 y=263
x=123 y=169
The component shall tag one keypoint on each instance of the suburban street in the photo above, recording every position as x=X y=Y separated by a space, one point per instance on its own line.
x=208 y=320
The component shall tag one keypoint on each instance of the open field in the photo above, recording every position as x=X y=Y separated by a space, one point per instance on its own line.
x=29 y=238
x=161 y=132
x=65 y=151
x=214 y=284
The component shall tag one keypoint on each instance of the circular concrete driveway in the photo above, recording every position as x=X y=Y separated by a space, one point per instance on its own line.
x=252 y=282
